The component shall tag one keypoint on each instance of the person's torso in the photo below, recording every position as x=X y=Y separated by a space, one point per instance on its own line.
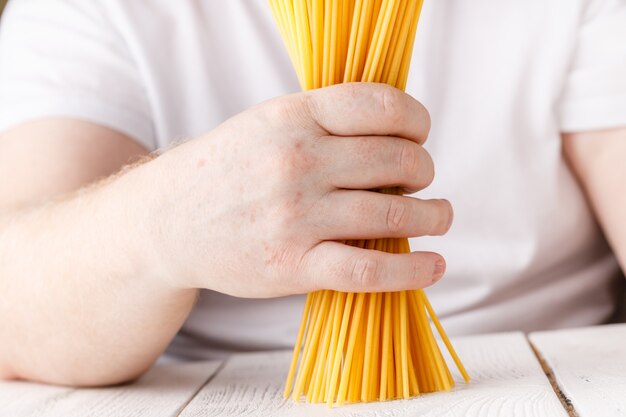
x=524 y=251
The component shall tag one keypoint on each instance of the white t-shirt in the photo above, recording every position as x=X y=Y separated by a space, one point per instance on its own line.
x=501 y=79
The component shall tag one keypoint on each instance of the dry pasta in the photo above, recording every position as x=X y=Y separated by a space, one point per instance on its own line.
x=358 y=347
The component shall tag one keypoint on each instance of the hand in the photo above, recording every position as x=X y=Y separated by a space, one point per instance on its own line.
x=256 y=207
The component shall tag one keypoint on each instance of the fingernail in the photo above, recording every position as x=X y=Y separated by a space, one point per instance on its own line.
x=440 y=268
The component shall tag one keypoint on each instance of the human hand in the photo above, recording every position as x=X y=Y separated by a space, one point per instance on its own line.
x=258 y=207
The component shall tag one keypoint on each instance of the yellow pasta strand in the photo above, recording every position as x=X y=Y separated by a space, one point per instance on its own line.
x=361 y=347
x=354 y=328
x=321 y=362
x=408 y=51
x=369 y=347
x=404 y=345
x=445 y=339
x=296 y=349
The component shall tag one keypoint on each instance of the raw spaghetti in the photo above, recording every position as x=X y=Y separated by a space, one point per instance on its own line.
x=360 y=347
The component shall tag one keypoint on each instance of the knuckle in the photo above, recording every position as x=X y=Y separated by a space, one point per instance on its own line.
x=292 y=161
x=397 y=216
x=365 y=272
x=274 y=109
x=310 y=104
x=409 y=160
x=391 y=102
x=427 y=169
x=349 y=90
x=296 y=110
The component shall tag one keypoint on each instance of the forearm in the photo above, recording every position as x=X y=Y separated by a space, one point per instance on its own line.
x=597 y=158
x=255 y=208
x=82 y=303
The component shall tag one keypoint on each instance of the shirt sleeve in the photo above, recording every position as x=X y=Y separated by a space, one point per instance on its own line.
x=594 y=96
x=64 y=58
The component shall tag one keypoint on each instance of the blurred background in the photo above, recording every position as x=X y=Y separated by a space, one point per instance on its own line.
x=2 y=3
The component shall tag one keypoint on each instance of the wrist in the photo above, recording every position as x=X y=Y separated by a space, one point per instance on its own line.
x=152 y=220
x=137 y=222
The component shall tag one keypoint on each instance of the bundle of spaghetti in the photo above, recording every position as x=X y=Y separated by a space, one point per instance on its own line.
x=360 y=347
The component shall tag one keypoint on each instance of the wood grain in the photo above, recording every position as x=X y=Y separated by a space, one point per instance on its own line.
x=163 y=391
x=507 y=381
x=589 y=365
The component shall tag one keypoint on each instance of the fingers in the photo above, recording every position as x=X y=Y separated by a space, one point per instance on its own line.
x=367 y=109
x=335 y=266
x=376 y=162
x=345 y=214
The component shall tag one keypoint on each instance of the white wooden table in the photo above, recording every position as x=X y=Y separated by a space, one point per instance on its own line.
x=579 y=372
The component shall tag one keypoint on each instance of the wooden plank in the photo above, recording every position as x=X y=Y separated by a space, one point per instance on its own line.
x=507 y=381
x=589 y=366
x=21 y=398
x=163 y=391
